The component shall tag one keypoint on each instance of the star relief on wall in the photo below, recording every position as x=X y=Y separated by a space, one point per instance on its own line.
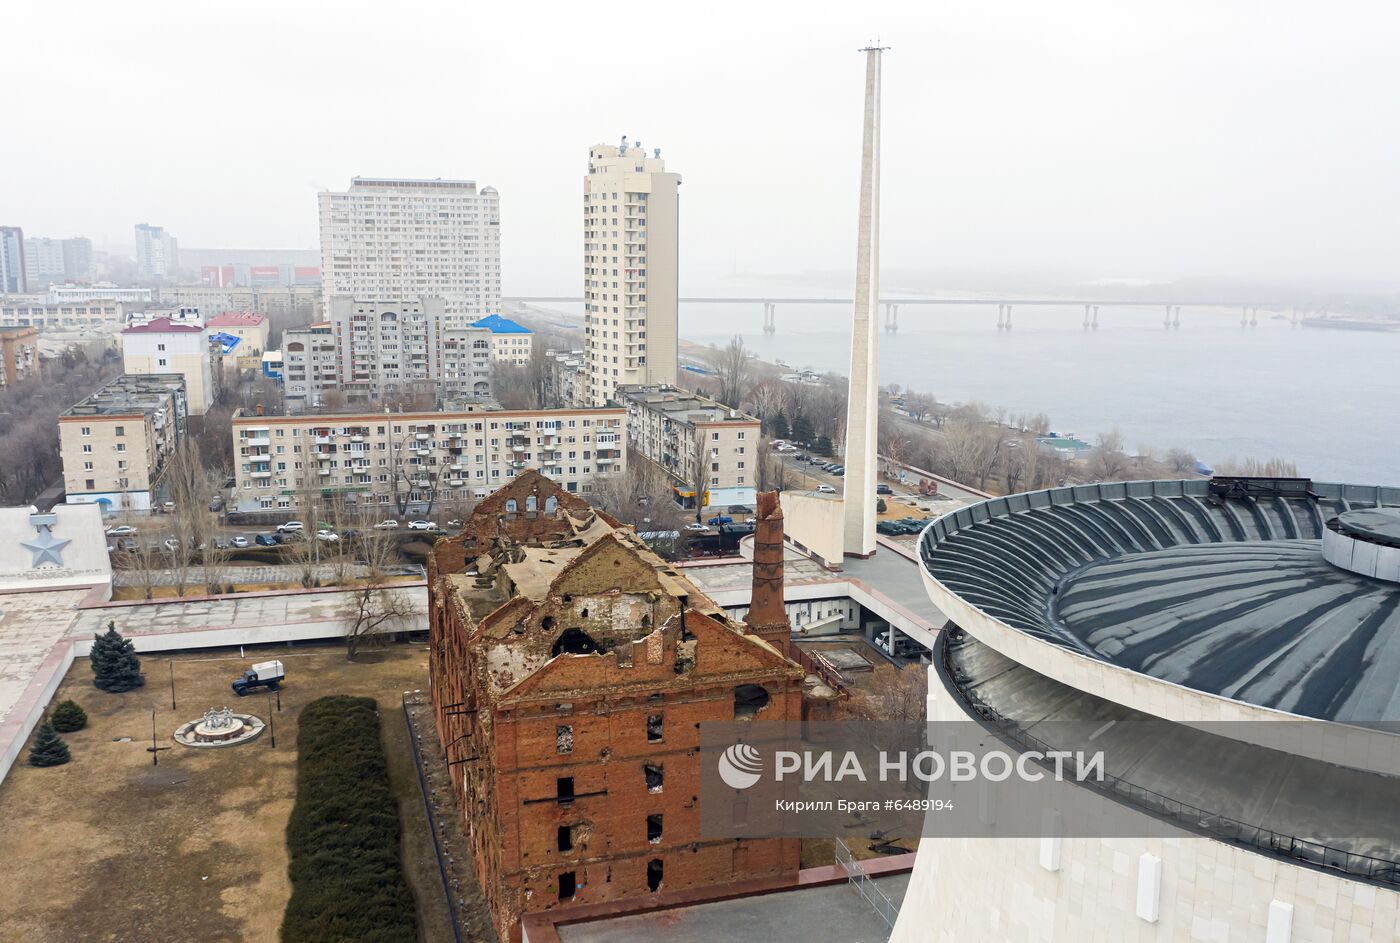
x=45 y=547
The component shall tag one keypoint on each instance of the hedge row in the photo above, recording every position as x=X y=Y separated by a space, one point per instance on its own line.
x=348 y=885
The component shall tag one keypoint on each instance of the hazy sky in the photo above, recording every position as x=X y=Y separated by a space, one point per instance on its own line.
x=1067 y=139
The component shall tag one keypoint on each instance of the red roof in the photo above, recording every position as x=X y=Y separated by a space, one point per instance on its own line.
x=237 y=319
x=162 y=326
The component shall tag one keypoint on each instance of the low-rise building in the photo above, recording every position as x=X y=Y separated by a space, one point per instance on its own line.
x=114 y=443
x=19 y=354
x=250 y=328
x=101 y=291
x=694 y=439
x=407 y=463
x=510 y=342
x=570 y=671
x=96 y=316
x=163 y=346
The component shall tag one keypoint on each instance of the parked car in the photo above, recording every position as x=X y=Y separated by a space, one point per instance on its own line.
x=171 y=544
x=825 y=489
x=217 y=504
x=267 y=540
x=455 y=522
x=126 y=544
x=387 y=525
x=239 y=542
x=422 y=525
x=329 y=536
x=740 y=509
x=121 y=530
x=720 y=519
x=883 y=489
x=290 y=526
x=168 y=507
x=839 y=471
x=695 y=527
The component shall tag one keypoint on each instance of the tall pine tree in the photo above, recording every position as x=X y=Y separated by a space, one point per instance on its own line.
x=115 y=667
x=779 y=428
x=48 y=748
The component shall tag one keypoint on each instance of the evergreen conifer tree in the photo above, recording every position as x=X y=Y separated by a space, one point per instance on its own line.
x=802 y=429
x=68 y=717
x=48 y=748
x=780 y=428
x=115 y=667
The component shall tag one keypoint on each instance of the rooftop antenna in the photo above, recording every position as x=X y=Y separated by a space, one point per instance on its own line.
x=656 y=151
x=623 y=146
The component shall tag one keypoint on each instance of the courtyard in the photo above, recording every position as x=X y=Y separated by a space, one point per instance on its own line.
x=110 y=847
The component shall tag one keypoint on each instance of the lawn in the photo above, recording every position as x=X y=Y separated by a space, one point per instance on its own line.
x=110 y=847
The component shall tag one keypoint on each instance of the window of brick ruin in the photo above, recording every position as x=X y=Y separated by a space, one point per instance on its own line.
x=564 y=788
x=547 y=623
x=568 y=883
x=576 y=642
x=564 y=738
x=550 y=503
x=654 y=727
x=566 y=838
x=530 y=504
x=654 y=775
x=749 y=699
x=654 y=829
x=654 y=870
x=510 y=505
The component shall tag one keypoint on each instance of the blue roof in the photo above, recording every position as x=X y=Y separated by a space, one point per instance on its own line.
x=499 y=325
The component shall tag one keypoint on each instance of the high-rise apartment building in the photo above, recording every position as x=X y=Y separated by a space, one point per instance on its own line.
x=391 y=240
x=13 y=280
x=630 y=257
x=157 y=252
x=56 y=261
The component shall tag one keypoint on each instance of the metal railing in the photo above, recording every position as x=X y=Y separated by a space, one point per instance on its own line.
x=1192 y=818
x=856 y=876
x=432 y=823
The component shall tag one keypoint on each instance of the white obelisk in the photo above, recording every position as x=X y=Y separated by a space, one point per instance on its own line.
x=862 y=410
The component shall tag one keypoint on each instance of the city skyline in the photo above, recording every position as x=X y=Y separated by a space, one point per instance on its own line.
x=1193 y=141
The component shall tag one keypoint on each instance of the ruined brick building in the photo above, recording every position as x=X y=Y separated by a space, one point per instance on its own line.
x=570 y=669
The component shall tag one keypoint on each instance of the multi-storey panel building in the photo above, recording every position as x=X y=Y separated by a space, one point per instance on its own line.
x=407 y=461
x=98 y=317
x=395 y=239
x=385 y=347
x=268 y=301
x=630 y=258
x=102 y=291
x=43 y=260
x=309 y=366
x=19 y=354
x=570 y=669
x=694 y=439
x=157 y=252
x=114 y=444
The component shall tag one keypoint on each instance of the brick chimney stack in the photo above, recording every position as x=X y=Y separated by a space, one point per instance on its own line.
x=767 y=616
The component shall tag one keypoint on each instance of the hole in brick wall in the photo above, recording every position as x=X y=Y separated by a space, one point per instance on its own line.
x=654 y=776
x=547 y=623
x=654 y=829
x=566 y=838
x=583 y=613
x=564 y=738
x=655 y=724
x=654 y=874
x=646 y=621
x=568 y=884
x=564 y=787
x=576 y=642
x=749 y=699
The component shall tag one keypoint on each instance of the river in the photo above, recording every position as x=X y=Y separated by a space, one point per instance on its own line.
x=1327 y=400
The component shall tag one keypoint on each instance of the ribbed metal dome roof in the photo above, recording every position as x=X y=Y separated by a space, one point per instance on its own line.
x=1226 y=596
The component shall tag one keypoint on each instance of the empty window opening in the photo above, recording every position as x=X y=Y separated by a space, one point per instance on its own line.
x=749 y=699
x=566 y=838
x=564 y=738
x=530 y=503
x=564 y=788
x=655 y=776
x=646 y=621
x=654 y=829
x=510 y=505
x=583 y=613
x=653 y=874
x=654 y=727
x=547 y=623
x=575 y=642
x=568 y=883
x=550 y=503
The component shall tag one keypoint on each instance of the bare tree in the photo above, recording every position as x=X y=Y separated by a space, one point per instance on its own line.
x=376 y=607
x=1254 y=468
x=1181 y=461
x=1110 y=463
x=731 y=366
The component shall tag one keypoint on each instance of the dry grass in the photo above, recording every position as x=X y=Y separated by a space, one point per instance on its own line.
x=109 y=847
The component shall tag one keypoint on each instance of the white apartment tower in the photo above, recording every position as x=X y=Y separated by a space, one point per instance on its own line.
x=630 y=262
x=394 y=240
